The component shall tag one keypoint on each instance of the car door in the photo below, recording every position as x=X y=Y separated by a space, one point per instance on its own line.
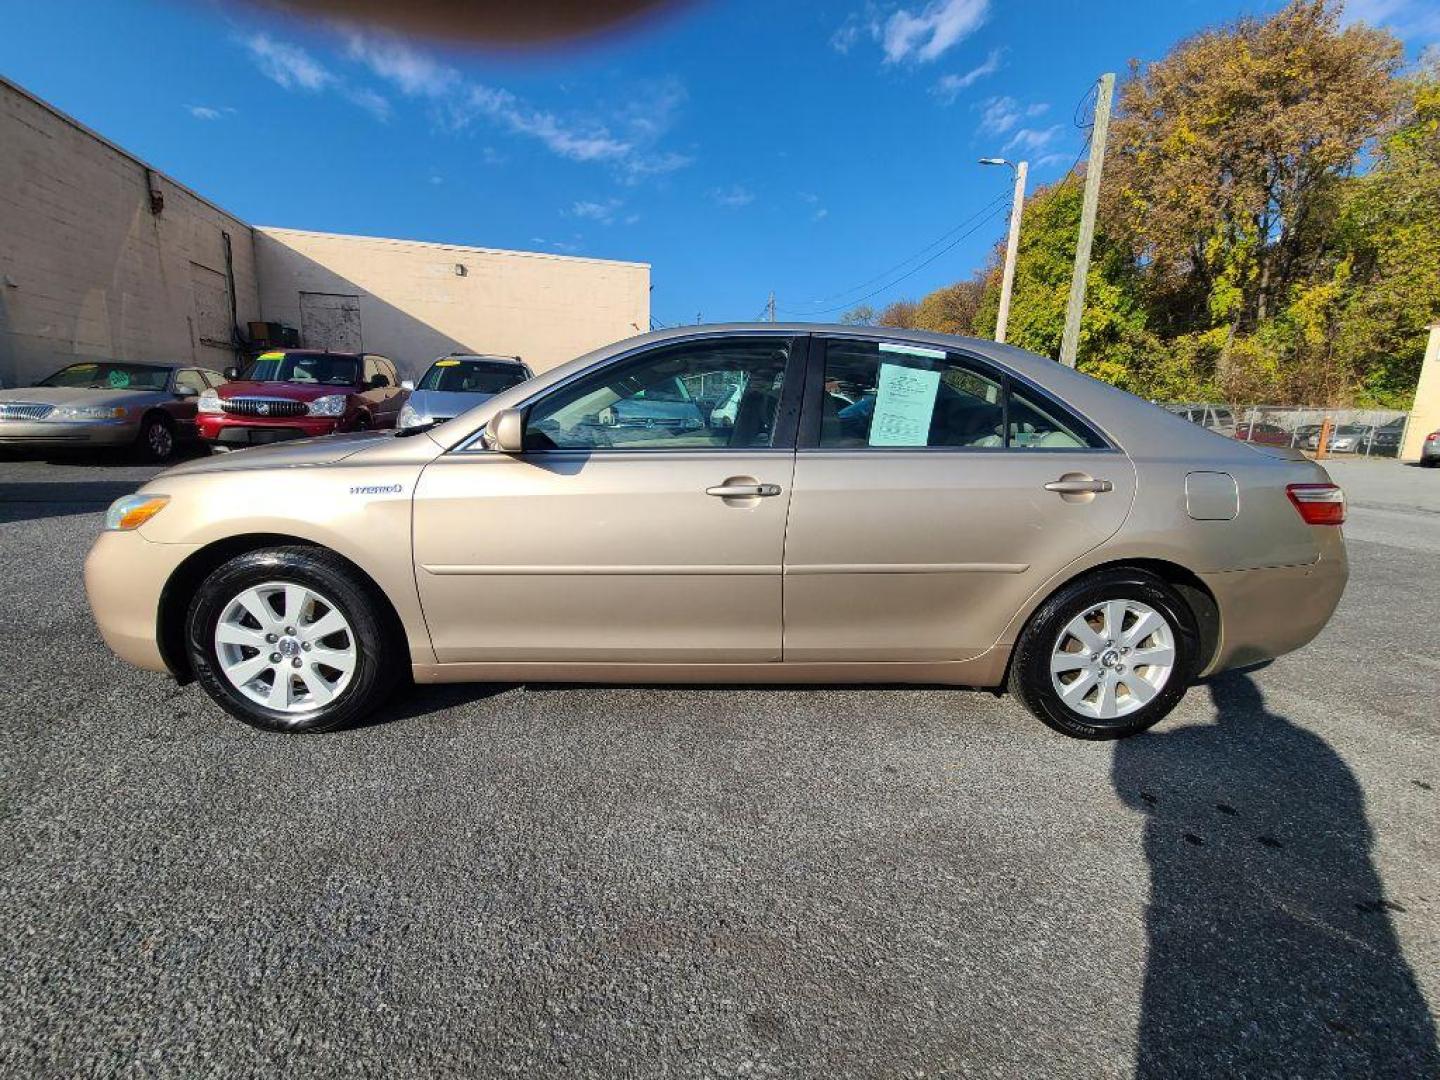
x=620 y=534
x=921 y=519
x=187 y=387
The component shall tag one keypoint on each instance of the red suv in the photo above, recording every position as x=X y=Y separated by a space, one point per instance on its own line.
x=297 y=393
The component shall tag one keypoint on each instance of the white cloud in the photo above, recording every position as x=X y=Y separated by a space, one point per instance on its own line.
x=627 y=143
x=949 y=86
x=928 y=34
x=375 y=104
x=821 y=214
x=288 y=65
x=1000 y=114
x=733 y=196
x=603 y=211
x=206 y=112
x=1413 y=20
x=1033 y=140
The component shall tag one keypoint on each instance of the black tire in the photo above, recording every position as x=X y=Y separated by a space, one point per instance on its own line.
x=381 y=654
x=1030 y=677
x=156 y=443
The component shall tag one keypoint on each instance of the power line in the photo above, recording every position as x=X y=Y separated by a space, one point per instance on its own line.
x=938 y=240
x=996 y=209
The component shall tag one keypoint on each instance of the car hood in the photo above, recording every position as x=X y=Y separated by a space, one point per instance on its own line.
x=324 y=450
x=446 y=403
x=288 y=390
x=76 y=395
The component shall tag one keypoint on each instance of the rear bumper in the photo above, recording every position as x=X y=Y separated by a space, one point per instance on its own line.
x=124 y=577
x=224 y=430
x=43 y=433
x=1272 y=611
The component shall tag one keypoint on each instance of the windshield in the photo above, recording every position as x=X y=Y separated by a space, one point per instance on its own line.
x=472 y=376
x=108 y=375
x=319 y=368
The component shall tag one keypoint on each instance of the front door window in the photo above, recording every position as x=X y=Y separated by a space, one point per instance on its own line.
x=722 y=394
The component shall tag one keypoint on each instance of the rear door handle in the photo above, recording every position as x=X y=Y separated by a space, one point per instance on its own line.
x=743 y=491
x=1079 y=487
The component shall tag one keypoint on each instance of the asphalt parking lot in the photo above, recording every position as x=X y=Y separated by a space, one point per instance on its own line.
x=575 y=881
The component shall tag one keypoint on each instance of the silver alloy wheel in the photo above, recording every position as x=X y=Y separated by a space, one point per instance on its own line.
x=286 y=647
x=161 y=442
x=1112 y=659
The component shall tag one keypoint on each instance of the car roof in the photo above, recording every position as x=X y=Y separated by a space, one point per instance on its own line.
x=478 y=356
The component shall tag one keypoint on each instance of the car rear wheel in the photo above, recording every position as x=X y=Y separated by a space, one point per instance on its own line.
x=290 y=639
x=157 y=439
x=1107 y=656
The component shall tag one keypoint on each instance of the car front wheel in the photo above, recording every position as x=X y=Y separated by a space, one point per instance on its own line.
x=156 y=443
x=290 y=639
x=1107 y=656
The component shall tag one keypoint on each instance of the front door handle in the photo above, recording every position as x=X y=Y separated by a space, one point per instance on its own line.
x=744 y=491
x=1079 y=487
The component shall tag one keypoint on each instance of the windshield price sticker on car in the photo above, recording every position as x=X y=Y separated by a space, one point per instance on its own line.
x=271 y=356
x=447 y=363
x=904 y=403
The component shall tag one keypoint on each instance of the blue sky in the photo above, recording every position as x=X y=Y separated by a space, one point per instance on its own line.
x=738 y=147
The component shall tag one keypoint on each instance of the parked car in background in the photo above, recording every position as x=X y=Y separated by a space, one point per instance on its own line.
x=458 y=382
x=1386 y=440
x=1216 y=418
x=1265 y=434
x=1343 y=439
x=299 y=393
x=1430 y=450
x=1027 y=526
x=108 y=403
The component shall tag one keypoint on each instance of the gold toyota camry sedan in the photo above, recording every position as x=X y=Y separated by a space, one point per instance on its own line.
x=727 y=504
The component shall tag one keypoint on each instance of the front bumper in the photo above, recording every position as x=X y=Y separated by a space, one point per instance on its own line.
x=234 y=431
x=78 y=433
x=124 y=577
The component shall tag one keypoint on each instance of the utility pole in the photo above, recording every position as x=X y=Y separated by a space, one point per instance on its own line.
x=770 y=307
x=1012 y=249
x=1070 y=343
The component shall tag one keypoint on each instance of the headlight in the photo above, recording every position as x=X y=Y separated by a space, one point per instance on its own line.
x=132 y=511
x=209 y=402
x=409 y=417
x=329 y=405
x=86 y=412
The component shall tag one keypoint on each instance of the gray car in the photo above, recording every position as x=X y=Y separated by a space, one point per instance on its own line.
x=107 y=403
x=456 y=383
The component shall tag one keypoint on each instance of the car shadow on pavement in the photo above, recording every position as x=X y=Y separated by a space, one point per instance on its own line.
x=1271 y=949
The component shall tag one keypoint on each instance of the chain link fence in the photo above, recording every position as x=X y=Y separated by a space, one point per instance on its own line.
x=1362 y=432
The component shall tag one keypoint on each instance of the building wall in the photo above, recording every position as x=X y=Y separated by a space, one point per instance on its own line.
x=413 y=305
x=87 y=270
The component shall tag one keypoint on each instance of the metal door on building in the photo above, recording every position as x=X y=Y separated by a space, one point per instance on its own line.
x=330 y=321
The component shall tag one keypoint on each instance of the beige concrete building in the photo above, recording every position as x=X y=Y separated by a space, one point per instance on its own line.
x=102 y=256
x=415 y=301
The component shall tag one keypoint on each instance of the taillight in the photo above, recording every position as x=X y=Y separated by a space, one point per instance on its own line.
x=1319 y=504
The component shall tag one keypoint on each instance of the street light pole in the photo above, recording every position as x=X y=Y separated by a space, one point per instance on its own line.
x=1012 y=243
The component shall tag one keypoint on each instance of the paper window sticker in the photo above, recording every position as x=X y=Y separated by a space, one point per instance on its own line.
x=904 y=404
x=271 y=356
x=447 y=363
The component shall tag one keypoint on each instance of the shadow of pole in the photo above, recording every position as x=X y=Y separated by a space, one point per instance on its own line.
x=1271 y=950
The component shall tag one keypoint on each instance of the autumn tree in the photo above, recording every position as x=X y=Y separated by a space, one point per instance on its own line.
x=1225 y=155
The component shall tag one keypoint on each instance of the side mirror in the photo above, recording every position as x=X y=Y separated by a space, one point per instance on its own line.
x=186 y=392
x=506 y=432
x=407 y=384
x=378 y=381
x=232 y=373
